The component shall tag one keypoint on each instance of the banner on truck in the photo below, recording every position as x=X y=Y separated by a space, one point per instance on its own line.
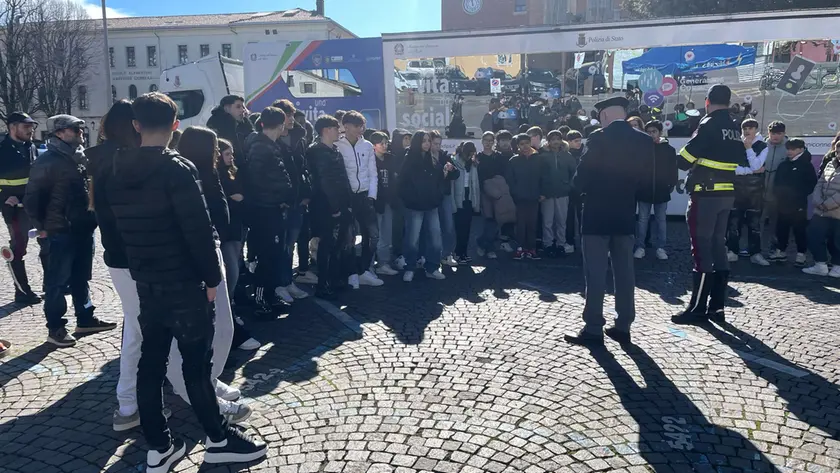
x=319 y=77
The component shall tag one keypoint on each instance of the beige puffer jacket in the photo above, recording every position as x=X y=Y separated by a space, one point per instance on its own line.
x=826 y=196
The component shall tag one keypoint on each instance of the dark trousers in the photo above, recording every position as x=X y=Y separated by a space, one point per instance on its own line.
x=333 y=247
x=707 y=217
x=463 y=222
x=70 y=262
x=183 y=312
x=796 y=220
x=738 y=218
x=18 y=224
x=303 y=243
x=824 y=232
x=526 y=224
x=573 y=218
x=268 y=237
x=365 y=214
x=397 y=227
x=595 y=249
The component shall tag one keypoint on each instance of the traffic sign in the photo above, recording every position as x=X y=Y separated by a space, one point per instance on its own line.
x=495 y=86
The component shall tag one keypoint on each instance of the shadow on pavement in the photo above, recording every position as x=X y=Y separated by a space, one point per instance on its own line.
x=674 y=435
x=13 y=366
x=811 y=398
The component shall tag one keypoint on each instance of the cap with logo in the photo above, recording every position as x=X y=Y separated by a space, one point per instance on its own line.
x=20 y=117
x=63 y=122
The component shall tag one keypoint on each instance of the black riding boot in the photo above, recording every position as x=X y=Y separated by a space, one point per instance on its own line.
x=717 y=300
x=696 y=310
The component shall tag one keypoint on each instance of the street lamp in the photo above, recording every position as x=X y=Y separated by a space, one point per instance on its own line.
x=108 y=95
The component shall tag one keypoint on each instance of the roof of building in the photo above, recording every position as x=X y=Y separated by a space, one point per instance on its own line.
x=222 y=19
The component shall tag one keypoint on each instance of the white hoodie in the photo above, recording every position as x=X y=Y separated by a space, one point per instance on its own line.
x=360 y=164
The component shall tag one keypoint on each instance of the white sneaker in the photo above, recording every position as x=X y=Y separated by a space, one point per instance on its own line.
x=307 y=278
x=449 y=261
x=506 y=247
x=313 y=247
x=235 y=412
x=661 y=255
x=282 y=293
x=228 y=393
x=353 y=281
x=436 y=275
x=491 y=255
x=386 y=270
x=800 y=259
x=296 y=292
x=252 y=266
x=421 y=261
x=568 y=249
x=250 y=345
x=819 y=269
x=370 y=279
x=758 y=259
x=835 y=272
x=639 y=253
x=777 y=255
x=732 y=257
x=408 y=276
x=399 y=263
x=162 y=462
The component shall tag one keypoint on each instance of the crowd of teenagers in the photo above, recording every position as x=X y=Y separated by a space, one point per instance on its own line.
x=196 y=223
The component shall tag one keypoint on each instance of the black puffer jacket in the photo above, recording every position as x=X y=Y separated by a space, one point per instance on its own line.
x=661 y=180
x=422 y=183
x=231 y=186
x=162 y=218
x=387 y=170
x=794 y=182
x=101 y=168
x=57 y=194
x=267 y=183
x=330 y=186
x=228 y=128
x=523 y=177
x=15 y=162
x=294 y=157
x=216 y=203
x=749 y=188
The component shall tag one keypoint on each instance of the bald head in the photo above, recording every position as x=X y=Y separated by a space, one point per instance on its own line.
x=611 y=114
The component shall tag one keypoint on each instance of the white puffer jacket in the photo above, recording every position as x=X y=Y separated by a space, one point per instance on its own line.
x=827 y=191
x=360 y=163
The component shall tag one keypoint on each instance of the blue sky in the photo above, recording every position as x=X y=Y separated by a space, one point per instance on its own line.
x=365 y=18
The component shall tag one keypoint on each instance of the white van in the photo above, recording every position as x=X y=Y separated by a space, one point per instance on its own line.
x=198 y=87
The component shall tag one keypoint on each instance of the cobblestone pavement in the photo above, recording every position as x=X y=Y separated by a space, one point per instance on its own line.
x=471 y=374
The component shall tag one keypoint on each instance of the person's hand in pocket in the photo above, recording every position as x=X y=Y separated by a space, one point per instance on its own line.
x=211 y=294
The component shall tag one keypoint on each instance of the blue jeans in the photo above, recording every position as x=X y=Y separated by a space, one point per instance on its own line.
x=70 y=262
x=446 y=212
x=414 y=224
x=383 y=247
x=820 y=231
x=294 y=221
x=659 y=213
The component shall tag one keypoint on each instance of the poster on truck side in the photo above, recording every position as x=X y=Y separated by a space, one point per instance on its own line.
x=319 y=77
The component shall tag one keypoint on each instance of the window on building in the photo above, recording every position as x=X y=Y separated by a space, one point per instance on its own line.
x=151 y=54
x=183 y=57
x=111 y=57
x=204 y=50
x=130 y=58
x=153 y=88
x=273 y=31
x=521 y=6
x=132 y=91
x=267 y=32
x=227 y=50
x=307 y=87
x=83 y=99
x=113 y=93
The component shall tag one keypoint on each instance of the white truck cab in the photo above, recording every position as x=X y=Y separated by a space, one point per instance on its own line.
x=198 y=87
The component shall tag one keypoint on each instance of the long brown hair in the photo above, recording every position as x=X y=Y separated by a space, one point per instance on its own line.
x=200 y=145
x=225 y=145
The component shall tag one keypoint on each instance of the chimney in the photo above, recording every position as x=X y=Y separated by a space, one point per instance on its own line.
x=319 y=7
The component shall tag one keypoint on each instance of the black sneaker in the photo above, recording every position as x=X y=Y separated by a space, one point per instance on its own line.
x=324 y=293
x=237 y=447
x=161 y=462
x=61 y=338
x=463 y=261
x=27 y=298
x=93 y=325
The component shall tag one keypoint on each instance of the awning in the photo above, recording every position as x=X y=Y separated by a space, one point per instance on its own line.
x=675 y=60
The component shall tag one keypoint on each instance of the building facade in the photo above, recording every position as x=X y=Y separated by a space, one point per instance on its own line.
x=478 y=14
x=140 y=48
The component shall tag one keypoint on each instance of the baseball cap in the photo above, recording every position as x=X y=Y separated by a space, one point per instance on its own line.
x=19 y=117
x=719 y=94
x=63 y=122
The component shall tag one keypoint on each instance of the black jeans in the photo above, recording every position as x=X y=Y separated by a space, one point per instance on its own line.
x=738 y=218
x=573 y=217
x=268 y=237
x=365 y=213
x=824 y=234
x=334 y=246
x=796 y=220
x=463 y=222
x=183 y=312
x=69 y=263
x=303 y=242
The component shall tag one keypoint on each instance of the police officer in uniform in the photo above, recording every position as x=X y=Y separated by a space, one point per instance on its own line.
x=610 y=173
x=16 y=156
x=711 y=157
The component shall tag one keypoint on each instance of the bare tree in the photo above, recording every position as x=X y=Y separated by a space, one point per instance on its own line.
x=18 y=68
x=66 y=42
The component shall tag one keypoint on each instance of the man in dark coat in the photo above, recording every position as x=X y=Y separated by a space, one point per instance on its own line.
x=655 y=193
x=609 y=176
x=229 y=121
